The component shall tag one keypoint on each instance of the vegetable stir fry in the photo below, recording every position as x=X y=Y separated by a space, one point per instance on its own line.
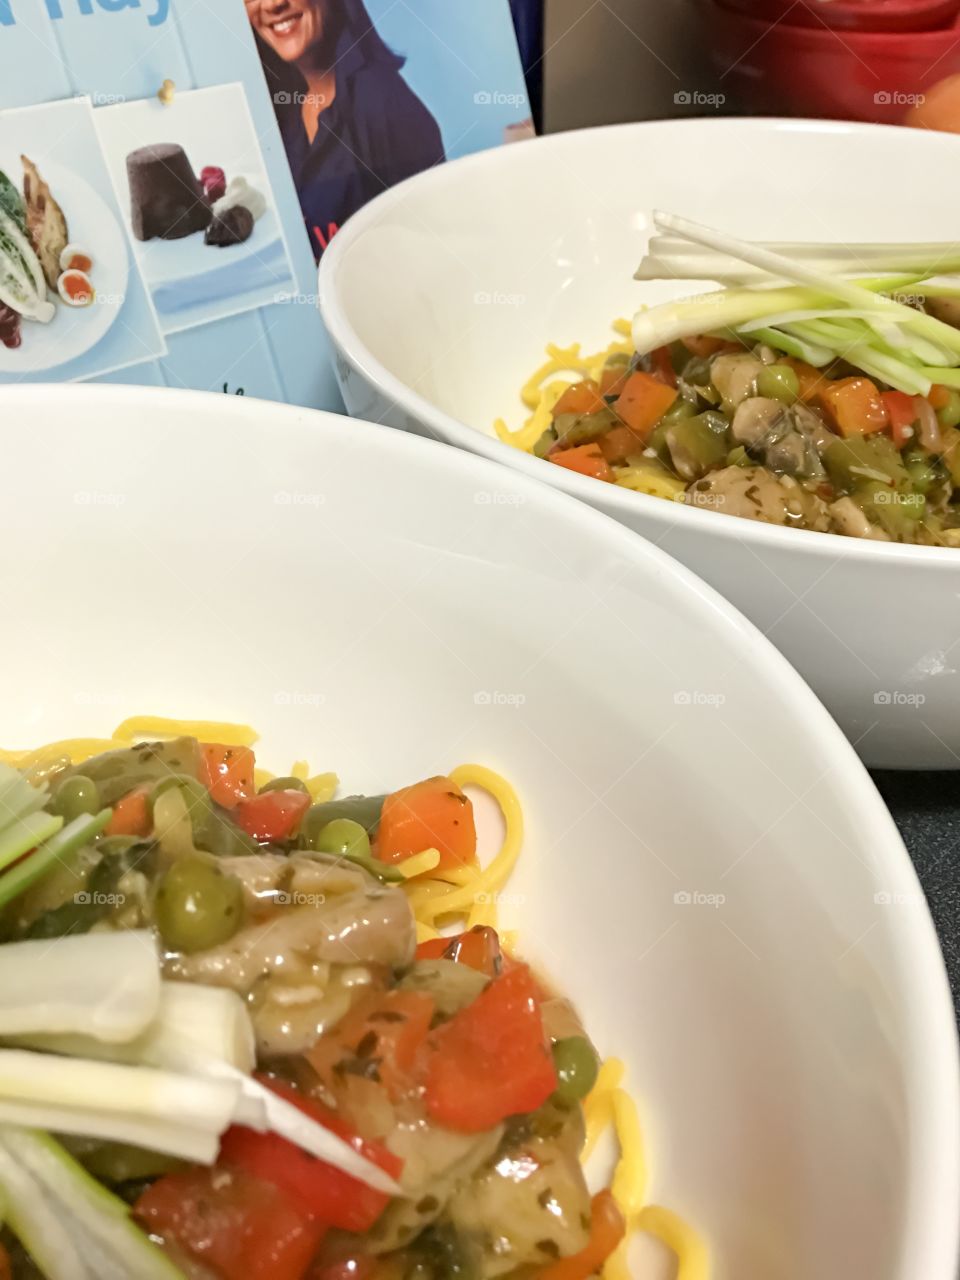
x=238 y=1051
x=793 y=397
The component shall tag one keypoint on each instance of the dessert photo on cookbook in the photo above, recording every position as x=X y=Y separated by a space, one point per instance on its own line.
x=66 y=270
x=191 y=179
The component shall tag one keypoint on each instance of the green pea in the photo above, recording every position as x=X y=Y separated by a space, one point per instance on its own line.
x=285 y=784
x=343 y=837
x=576 y=1067
x=197 y=906
x=76 y=796
x=778 y=382
x=949 y=414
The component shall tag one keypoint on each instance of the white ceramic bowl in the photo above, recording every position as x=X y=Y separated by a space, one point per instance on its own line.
x=708 y=869
x=441 y=295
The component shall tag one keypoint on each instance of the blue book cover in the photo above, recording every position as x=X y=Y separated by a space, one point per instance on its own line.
x=170 y=173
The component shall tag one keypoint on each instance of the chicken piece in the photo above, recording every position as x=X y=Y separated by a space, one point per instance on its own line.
x=734 y=375
x=317 y=928
x=755 y=493
x=851 y=520
x=437 y=1165
x=528 y=1208
x=46 y=225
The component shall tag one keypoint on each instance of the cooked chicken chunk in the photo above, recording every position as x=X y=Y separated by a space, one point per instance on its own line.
x=757 y=494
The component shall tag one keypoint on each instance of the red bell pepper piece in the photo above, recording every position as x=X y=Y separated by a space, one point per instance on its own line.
x=316 y=1188
x=491 y=1060
x=478 y=948
x=274 y=815
x=902 y=413
x=239 y=1227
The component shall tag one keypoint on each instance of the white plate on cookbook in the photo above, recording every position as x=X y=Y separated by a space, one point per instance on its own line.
x=92 y=226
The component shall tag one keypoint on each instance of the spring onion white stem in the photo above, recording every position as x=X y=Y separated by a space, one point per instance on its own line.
x=105 y=985
x=194 y=1025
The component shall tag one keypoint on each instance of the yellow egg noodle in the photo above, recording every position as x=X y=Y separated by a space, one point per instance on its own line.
x=540 y=396
x=461 y=898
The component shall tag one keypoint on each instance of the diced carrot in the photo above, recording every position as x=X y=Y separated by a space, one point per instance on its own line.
x=643 y=402
x=131 y=815
x=855 y=406
x=587 y=459
x=613 y=378
x=434 y=814
x=619 y=443
x=812 y=381
x=902 y=413
x=227 y=773
x=582 y=397
x=939 y=395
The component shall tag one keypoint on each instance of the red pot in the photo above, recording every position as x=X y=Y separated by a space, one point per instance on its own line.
x=772 y=68
x=853 y=15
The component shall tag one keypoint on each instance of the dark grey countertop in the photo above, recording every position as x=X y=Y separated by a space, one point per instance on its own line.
x=926 y=808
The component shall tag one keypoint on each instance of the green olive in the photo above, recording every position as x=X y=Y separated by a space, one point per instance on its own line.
x=576 y=1065
x=74 y=797
x=778 y=382
x=343 y=837
x=285 y=784
x=197 y=906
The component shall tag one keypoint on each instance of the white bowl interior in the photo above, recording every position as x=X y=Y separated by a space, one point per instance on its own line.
x=442 y=294
x=492 y=259
x=708 y=870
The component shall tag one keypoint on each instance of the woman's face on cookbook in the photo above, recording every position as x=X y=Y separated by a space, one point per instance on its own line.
x=290 y=27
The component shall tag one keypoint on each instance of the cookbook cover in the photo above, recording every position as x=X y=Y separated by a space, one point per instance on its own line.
x=170 y=173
